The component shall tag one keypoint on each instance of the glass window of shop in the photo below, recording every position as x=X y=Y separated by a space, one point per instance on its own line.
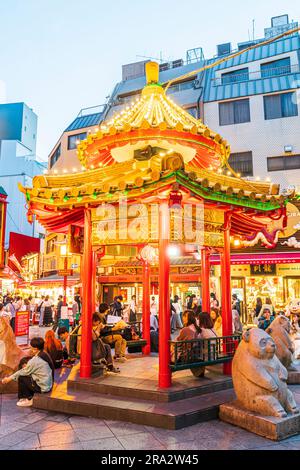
x=265 y=286
x=292 y=288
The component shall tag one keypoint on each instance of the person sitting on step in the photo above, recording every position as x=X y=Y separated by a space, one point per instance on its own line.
x=110 y=335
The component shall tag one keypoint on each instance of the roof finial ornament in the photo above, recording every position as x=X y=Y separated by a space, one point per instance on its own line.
x=152 y=72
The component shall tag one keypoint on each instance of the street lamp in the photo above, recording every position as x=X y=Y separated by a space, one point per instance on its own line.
x=63 y=247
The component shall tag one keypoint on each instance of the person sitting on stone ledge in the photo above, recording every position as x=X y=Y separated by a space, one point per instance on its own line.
x=35 y=377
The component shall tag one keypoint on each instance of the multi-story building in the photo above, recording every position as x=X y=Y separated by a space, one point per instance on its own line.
x=63 y=157
x=18 y=163
x=251 y=100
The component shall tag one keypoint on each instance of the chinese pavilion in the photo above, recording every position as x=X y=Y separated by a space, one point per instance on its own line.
x=154 y=155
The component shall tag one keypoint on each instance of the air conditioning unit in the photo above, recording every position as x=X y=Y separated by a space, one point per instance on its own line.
x=164 y=66
x=177 y=63
x=197 y=83
x=223 y=49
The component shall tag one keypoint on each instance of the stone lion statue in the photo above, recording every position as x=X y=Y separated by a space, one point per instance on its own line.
x=10 y=353
x=259 y=378
x=280 y=330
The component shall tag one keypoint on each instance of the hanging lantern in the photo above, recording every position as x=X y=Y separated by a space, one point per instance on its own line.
x=149 y=254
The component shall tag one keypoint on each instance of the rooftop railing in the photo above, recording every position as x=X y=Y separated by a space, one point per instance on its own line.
x=257 y=75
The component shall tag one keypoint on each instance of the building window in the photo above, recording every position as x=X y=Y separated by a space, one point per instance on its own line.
x=51 y=245
x=55 y=156
x=276 y=67
x=192 y=111
x=242 y=163
x=73 y=140
x=240 y=75
x=280 y=106
x=181 y=86
x=234 y=112
x=285 y=162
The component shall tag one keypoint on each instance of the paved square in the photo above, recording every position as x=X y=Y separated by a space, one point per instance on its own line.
x=25 y=429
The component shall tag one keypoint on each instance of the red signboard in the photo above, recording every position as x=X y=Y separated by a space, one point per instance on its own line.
x=22 y=323
x=20 y=245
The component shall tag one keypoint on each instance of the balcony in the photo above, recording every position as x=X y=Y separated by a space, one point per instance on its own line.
x=257 y=75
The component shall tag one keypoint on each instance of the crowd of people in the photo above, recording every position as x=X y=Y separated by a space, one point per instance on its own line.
x=45 y=309
x=109 y=341
x=264 y=313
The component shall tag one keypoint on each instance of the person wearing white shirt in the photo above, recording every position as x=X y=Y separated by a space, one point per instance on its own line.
x=178 y=310
x=153 y=322
x=153 y=306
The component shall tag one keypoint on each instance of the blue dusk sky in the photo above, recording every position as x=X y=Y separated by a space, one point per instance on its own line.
x=59 y=56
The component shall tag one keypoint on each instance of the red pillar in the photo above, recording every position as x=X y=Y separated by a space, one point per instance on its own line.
x=226 y=287
x=164 y=298
x=205 y=271
x=87 y=294
x=146 y=306
x=94 y=276
x=65 y=280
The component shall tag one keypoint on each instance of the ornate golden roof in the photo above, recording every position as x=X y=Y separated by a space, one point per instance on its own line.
x=154 y=110
x=137 y=180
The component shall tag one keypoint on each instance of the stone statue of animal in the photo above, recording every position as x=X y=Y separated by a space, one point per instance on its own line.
x=280 y=330
x=10 y=352
x=259 y=378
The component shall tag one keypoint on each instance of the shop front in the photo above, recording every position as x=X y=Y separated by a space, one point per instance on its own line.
x=53 y=287
x=181 y=284
x=274 y=275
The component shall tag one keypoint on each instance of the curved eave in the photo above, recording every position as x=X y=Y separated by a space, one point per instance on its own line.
x=97 y=148
x=202 y=190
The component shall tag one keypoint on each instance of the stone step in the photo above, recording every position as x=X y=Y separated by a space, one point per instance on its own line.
x=176 y=415
x=148 y=389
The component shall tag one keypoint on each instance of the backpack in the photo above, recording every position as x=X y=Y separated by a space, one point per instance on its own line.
x=73 y=341
x=39 y=307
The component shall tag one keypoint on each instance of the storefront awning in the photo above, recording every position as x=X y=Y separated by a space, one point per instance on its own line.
x=55 y=280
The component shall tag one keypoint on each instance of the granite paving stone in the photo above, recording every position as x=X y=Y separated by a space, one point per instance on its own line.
x=84 y=422
x=292 y=445
x=190 y=445
x=32 y=417
x=29 y=444
x=15 y=438
x=66 y=446
x=57 y=437
x=121 y=428
x=57 y=417
x=10 y=426
x=48 y=426
x=141 y=441
x=102 y=444
x=93 y=432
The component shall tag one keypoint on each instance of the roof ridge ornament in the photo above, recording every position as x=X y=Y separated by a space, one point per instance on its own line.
x=152 y=72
